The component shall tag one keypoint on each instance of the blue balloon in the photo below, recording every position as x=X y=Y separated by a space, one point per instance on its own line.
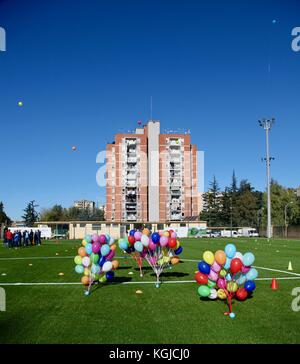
x=155 y=238
x=79 y=269
x=178 y=251
x=252 y=274
x=241 y=279
x=248 y=259
x=132 y=232
x=249 y=286
x=228 y=277
x=227 y=264
x=138 y=246
x=102 y=261
x=88 y=248
x=204 y=267
x=105 y=249
x=123 y=244
x=110 y=275
x=230 y=250
x=88 y=238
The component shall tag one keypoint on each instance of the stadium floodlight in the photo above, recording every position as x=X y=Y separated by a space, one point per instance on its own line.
x=267 y=125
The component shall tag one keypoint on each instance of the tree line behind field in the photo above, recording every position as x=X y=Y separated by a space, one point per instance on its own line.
x=241 y=205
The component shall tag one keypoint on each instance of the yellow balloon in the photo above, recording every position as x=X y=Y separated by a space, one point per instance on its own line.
x=208 y=257
x=221 y=294
x=178 y=244
x=166 y=233
x=113 y=247
x=86 y=272
x=84 y=242
x=166 y=259
x=232 y=286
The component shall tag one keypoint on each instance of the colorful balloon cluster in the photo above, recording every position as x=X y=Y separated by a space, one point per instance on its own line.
x=226 y=274
x=94 y=260
x=159 y=249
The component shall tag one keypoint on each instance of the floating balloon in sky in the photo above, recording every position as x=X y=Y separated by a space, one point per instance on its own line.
x=274 y=21
x=74 y=148
x=20 y=103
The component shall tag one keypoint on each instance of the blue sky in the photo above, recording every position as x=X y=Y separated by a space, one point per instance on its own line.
x=86 y=69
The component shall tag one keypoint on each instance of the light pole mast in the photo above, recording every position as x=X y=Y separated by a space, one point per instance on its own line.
x=267 y=124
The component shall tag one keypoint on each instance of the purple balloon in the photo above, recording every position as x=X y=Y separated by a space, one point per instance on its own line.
x=102 y=239
x=213 y=276
x=95 y=238
x=110 y=255
x=245 y=269
x=221 y=283
x=215 y=267
x=96 y=247
x=138 y=235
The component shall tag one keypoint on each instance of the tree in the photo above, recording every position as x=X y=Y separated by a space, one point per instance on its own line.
x=55 y=213
x=212 y=204
x=4 y=219
x=31 y=215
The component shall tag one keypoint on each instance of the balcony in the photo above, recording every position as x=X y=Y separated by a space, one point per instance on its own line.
x=131 y=159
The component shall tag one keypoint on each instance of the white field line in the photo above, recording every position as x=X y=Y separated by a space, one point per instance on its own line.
x=184 y=260
x=122 y=283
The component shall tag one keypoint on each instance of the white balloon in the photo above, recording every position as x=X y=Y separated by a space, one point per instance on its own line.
x=239 y=255
x=86 y=261
x=111 y=241
x=145 y=240
x=213 y=294
x=107 y=266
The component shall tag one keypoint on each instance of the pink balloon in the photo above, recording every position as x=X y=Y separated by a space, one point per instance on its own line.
x=96 y=247
x=110 y=255
x=213 y=276
x=95 y=238
x=221 y=283
x=173 y=235
x=152 y=260
x=151 y=245
x=102 y=239
x=163 y=241
x=138 y=235
x=215 y=267
x=245 y=269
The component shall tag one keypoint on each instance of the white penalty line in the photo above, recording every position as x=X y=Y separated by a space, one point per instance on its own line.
x=122 y=283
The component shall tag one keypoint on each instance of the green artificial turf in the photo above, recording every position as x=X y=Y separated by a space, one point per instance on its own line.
x=173 y=313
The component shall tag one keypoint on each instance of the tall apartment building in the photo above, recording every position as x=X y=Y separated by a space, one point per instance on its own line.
x=151 y=176
x=85 y=205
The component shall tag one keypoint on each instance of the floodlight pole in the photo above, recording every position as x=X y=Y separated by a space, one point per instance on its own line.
x=267 y=124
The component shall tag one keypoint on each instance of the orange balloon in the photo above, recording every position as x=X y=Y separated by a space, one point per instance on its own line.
x=220 y=257
x=85 y=280
x=81 y=251
x=175 y=260
x=113 y=247
x=115 y=264
x=146 y=231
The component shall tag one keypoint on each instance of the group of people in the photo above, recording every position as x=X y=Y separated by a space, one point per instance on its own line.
x=18 y=238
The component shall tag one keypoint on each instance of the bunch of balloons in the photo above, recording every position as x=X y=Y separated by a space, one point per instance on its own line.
x=159 y=249
x=225 y=275
x=95 y=260
x=135 y=244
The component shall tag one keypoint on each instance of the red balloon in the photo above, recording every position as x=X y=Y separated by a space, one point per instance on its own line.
x=172 y=243
x=201 y=278
x=236 y=265
x=131 y=239
x=241 y=294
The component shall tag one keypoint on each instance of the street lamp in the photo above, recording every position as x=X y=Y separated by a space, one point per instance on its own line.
x=267 y=124
x=285 y=218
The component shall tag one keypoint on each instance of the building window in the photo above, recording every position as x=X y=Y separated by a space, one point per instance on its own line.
x=82 y=225
x=96 y=226
x=182 y=225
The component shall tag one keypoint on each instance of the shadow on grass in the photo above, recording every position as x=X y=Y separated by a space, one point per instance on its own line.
x=171 y=274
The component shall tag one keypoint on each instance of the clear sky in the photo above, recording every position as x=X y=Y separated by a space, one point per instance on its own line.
x=86 y=69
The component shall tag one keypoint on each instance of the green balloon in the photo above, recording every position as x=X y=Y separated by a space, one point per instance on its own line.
x=211 y=284
x=78 y=260
x=94 y=258
x=95 y=277
x=103 y=279
x=204 y=291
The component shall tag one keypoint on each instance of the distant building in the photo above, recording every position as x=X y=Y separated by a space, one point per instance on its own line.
x=85 y=205
x=151 y=176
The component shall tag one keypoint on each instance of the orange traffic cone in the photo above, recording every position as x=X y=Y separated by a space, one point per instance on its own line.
x=274 y=284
